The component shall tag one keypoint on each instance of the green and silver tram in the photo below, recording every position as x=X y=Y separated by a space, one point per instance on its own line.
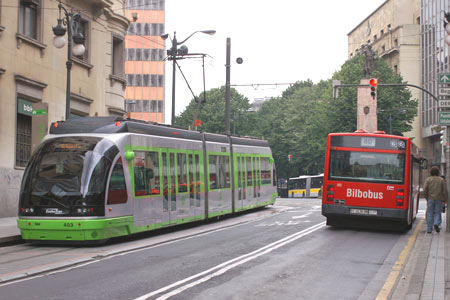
x=96 y=178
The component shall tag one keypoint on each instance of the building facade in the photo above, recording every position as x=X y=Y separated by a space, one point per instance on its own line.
x=393 y=31
x=33 y=77
x=144 y=65
x=435 y=61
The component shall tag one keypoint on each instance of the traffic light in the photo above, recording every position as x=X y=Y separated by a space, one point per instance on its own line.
x=289 y=157
x=373 y=87
x=447 y=27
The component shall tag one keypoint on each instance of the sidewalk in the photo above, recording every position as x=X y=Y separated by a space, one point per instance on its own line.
x=8 y=230
x=425 y=275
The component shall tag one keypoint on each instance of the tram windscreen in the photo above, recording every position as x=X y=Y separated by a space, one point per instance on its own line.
x=361 y=166
x=67 y=176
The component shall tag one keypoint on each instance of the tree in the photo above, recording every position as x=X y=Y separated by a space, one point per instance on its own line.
x=299 y=122
x=212 y=113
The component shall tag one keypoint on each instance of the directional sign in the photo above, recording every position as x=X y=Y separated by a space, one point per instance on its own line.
x=444 y=78
x=444 y=91
x=444 y=118
x=444 y=103
x=38 y=112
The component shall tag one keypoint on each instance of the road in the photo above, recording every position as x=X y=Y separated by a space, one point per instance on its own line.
x=282 y=252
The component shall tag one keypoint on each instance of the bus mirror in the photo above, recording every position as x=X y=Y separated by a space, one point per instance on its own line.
x=271 y=160
x=424 y=163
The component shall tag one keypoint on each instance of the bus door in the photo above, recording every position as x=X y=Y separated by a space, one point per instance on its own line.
x=196 y=197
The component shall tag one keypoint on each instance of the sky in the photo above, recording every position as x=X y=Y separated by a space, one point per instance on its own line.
x=280 y=41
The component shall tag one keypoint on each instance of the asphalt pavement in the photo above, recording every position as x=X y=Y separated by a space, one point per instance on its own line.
x=425 y=273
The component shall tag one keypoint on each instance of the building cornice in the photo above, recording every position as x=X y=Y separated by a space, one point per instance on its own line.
x=368 y=17
x=28 y=81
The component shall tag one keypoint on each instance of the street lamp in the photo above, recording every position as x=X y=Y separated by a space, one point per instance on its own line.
x=173 y=52
x=73 y=27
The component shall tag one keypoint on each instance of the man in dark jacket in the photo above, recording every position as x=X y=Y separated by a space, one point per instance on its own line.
x=435 y=191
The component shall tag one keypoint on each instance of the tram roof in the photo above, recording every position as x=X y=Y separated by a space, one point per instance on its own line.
x=114 y=124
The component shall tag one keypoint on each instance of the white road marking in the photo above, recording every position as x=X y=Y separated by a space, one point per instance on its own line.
x=302 y=216
x=228 y=265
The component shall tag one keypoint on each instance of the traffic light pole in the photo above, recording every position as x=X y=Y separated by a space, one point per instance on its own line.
x=335 y=86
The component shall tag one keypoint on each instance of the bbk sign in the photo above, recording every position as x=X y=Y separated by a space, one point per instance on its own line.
x=24 y=107
x=444 y=103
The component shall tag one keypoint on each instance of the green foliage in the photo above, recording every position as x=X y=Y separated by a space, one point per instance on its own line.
x=299 y=121
x=212 y=112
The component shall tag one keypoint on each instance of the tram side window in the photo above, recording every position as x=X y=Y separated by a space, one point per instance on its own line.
x=219 y=172
x=146 y=173
x=249 y=171
x=198 y=183
x=265 y=171
x=182 y=173
x=117 y=191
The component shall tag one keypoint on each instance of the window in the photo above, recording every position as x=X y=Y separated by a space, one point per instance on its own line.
x=146 y=173
x=265 y=171
x=219 y=172
x=367 y=167
x=85 y=30
x=117 y=191
x=23 y=139
x=165 y=182
x=29 y=18
x=117 y=56
x=173 y=197
x=249 y=171
x=182 y=173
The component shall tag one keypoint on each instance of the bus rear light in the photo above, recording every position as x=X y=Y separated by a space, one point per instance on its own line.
x=330 y=192
x=400 y=197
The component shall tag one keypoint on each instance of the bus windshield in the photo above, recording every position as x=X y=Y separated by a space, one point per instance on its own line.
x=373 y=167
x=67 y=176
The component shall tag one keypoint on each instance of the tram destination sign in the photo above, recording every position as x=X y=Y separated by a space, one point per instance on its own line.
x=444 y=118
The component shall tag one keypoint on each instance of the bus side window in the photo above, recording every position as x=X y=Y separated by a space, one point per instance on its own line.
x=117 y=191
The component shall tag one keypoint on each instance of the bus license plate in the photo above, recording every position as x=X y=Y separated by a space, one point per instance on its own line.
x=363 y=211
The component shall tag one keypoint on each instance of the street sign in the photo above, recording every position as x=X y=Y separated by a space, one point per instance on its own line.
x=444 y=103
x=444 y=78
x=444 y=91
x=444 y=118
x=38 y=112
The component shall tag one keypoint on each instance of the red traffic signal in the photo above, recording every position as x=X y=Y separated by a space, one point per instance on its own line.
x=373 y=86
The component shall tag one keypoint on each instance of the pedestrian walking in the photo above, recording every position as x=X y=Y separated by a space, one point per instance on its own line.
x=435 y=191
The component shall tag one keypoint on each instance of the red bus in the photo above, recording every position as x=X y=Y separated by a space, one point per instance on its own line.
x=371 y=179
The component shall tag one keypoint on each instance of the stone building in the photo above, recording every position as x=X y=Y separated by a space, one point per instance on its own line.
x=33 y=77
x=393 y=30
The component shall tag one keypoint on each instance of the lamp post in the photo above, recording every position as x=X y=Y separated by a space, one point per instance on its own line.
x=173 y=52
x=73 y=26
